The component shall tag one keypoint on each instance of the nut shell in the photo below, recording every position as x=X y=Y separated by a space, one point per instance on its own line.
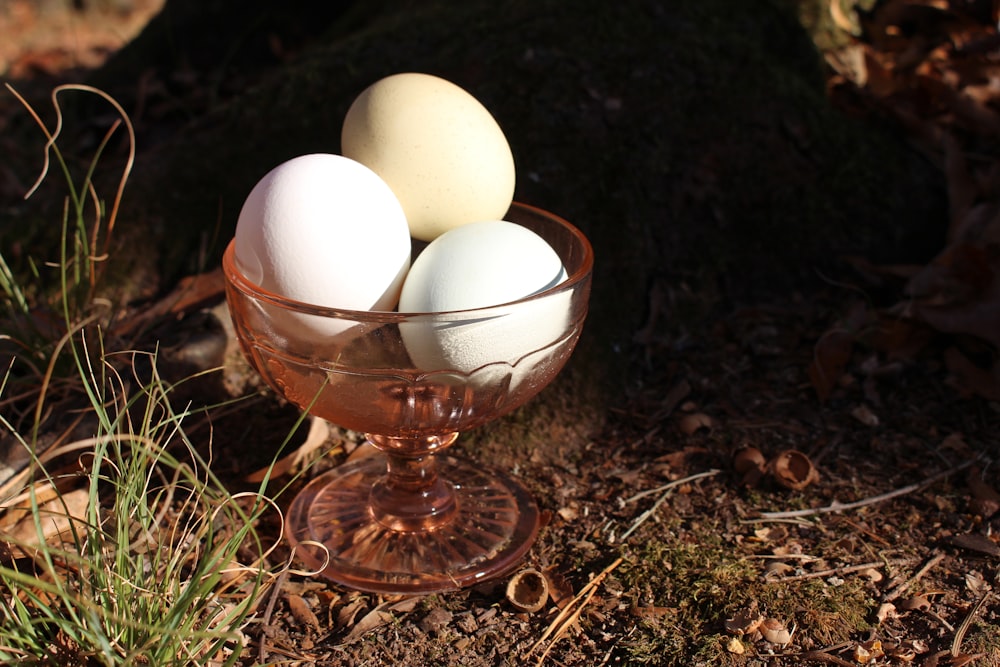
x=793 y=470
x=528 y=590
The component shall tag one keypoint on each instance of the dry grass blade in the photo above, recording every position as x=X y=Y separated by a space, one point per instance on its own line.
x=956 y=644
x=570 y=613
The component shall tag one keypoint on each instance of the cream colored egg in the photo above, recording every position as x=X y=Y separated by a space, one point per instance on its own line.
x=484 y=265
x=324 y=230
x=439 y=149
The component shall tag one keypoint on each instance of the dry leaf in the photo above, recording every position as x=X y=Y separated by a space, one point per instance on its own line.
x=985 y=499
x=970 y=379
x=318 y=436
x=744 y=623
x=915 y=603
x=560 y=589
x=976 y=583
x=350 y=611
x=695 y=421
x=864 y=415
x=750 y=464
x=976 y=542
x=302 y=612
x=831 y=355
x=57 y=517
x=885 y=611
x=373 y=620
x=868 y=652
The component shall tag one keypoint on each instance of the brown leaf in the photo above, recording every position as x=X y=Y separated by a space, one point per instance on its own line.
x=970 y=379
x=373 y=620
x=962 y=189
x=959 y=276
x=976 y=542
x=831 y=354
x=985 y=499
x=750 y=464
x=915 y=603
x=302 y=612
x=560 y=589
x=693 y=422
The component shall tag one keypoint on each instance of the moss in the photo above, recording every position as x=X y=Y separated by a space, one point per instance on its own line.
x=695 y=587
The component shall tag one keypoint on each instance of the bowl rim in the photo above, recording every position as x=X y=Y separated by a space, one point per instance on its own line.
x=235 y=279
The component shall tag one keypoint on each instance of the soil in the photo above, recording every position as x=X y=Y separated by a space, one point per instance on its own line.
x=805 y=478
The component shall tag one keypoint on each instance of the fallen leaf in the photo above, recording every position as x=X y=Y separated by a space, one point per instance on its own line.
x=976 y=583
x=976 y=542
x=373 y=620
x=886 y=610
x=302 y=612
x=863 y=414
x=985 y=499
x=915 y=603
x=970 y=379
x=744 y=623
x=750 y=464
x=831 y=355
x=868 y=652
x=691 y=423
x=560 y=590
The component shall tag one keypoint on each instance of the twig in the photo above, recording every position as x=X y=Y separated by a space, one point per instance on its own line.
x=842 y=570
x=899 y=590
x=836 y=506
x=665 y=491
x=571 y=612
x=671 y=485
x=940 y=619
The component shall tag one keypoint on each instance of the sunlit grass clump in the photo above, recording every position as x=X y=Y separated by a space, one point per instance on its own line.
x=118 y=546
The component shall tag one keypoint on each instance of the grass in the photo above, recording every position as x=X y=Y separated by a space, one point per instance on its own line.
x=121 y=547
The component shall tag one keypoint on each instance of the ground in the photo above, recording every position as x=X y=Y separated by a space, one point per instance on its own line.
x=877 y=545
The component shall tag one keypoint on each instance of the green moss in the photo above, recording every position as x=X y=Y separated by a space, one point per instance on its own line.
x=696 y=585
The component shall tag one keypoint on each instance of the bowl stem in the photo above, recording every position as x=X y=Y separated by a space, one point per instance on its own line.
x=412 y=496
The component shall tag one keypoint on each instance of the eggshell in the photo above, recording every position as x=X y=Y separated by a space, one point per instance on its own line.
x=438 y=148
x=325 y=230
x=481 y=265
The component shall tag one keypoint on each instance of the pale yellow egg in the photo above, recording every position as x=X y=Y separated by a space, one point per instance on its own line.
x=437 y=147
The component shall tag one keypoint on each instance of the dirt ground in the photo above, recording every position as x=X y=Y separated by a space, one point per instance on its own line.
x=805 y=481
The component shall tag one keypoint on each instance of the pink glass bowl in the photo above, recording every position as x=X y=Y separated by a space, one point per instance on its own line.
x=414 y=520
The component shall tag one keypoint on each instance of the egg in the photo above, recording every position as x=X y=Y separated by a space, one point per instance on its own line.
x=439 y=149
x=325 y=230
x=487 y=264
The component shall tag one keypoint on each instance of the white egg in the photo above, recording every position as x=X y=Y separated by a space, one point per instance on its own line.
x=438 y=148
x=483 y=265
x=325 y=230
